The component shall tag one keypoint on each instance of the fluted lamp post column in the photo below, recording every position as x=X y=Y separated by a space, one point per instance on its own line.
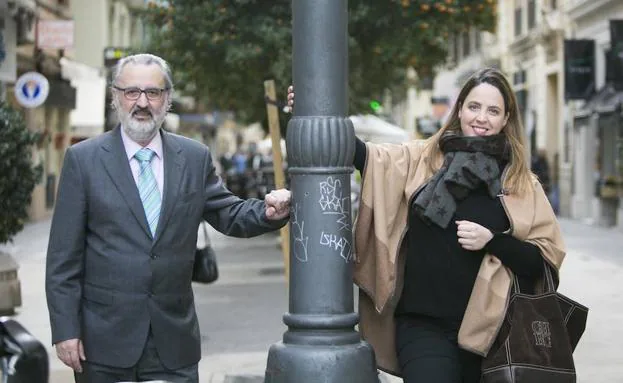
x=321 y=344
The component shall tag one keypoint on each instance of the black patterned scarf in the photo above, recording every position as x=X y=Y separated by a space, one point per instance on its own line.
x=468 y=162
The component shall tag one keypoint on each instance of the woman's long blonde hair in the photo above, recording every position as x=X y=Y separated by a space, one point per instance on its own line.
x=518 y=178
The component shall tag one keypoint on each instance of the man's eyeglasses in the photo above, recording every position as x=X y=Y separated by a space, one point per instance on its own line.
x=134 y=93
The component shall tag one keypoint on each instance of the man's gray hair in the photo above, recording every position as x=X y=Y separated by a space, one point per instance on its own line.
x=144 y=59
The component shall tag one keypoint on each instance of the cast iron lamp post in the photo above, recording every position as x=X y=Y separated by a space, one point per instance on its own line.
x=321 y=344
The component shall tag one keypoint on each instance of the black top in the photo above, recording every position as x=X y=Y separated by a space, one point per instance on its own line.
x=439 y=273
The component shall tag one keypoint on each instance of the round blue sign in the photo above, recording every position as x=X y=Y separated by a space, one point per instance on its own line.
x=32 y=89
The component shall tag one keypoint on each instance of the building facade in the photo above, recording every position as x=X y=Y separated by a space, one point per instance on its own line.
x=105 y=31
x=535 y=64
x=581 y=140
x=52 y=118
x=77 y=75
x=8 y=53
x=597 y=124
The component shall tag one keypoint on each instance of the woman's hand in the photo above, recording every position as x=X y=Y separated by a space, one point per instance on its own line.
x=291 y=96
x=472 y=236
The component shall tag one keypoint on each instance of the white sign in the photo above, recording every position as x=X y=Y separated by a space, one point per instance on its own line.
x=55 y=34
x=31 y=89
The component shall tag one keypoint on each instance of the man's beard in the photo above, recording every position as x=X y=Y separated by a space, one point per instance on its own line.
x=141 y=131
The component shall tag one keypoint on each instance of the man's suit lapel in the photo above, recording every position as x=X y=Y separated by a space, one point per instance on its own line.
x=115 y=161
x=173 y=170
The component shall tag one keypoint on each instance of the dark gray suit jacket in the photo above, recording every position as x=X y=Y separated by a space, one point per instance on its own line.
x=107 y=279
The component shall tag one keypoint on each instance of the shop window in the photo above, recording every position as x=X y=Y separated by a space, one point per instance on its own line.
x=451 y=59
x=522 y=98
x=123 y=32
x=518 y=20
x=466 y=44
x=619 y=158
x=531 y=14
x=111 y=25
x=567 y=144
x=519 y=77
x=607 y=155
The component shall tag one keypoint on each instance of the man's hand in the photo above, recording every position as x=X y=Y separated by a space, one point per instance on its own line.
x=71 y=353
x=277 y=204
x=472 y=236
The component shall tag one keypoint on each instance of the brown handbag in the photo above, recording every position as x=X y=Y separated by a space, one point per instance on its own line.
x=537 y=338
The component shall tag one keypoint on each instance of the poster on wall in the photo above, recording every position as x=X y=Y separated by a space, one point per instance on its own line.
x=614 y=64
x=579 y=69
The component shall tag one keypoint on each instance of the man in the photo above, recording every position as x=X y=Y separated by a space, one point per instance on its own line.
x=123 y=237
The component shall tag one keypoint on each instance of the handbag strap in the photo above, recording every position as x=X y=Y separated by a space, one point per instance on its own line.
x=205 y=229
x=549 y=280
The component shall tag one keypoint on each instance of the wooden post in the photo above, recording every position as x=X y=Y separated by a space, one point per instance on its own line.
x=275 y=136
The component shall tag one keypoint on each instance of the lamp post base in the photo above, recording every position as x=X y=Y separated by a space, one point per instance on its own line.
x=295 y=363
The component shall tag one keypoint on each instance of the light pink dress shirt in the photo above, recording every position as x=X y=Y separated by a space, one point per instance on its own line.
x=157 y=163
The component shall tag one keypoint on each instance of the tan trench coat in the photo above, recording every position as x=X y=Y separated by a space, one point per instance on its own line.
x=392 y=175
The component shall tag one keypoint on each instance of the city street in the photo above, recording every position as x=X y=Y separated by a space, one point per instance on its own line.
x=240 y=315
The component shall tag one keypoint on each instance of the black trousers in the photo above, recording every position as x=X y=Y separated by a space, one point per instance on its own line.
x=428 y=352
x=148 y=368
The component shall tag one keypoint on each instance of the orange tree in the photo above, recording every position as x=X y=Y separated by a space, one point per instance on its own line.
x=222 y=50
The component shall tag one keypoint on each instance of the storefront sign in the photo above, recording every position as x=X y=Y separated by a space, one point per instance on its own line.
x=31 y=89
x=579 y=69
x=55 y=34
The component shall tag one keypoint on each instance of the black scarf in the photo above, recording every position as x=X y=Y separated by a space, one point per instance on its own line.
x=468 y=162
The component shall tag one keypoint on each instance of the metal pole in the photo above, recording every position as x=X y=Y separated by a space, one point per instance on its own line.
x=321 y=344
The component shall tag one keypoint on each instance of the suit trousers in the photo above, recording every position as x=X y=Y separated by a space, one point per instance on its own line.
x=148 y=368
x=428 y=352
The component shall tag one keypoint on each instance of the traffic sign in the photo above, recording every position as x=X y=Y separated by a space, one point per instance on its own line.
x=32 y=89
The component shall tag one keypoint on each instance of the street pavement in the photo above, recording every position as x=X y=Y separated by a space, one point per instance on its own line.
x=241 y=314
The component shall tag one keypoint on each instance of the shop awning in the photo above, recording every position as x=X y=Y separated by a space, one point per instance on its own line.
x=374 y=129
x=605 y=100
x=87 y=117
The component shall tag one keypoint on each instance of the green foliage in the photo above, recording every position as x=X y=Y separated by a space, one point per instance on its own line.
x=18 y=176
x=222 y=50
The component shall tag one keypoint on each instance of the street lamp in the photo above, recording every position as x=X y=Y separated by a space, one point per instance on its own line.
x=321 y=344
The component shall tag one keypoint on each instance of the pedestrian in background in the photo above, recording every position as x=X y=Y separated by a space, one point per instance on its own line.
x=540 y=167
x=444 y=224
x=124 y=233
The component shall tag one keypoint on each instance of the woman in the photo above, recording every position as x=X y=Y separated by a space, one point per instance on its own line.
x=444 y=224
